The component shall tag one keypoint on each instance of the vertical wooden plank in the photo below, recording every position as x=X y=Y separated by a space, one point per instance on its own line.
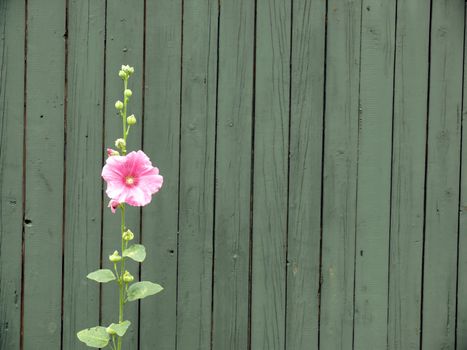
x=44 y=174
x=86 y=30
x=340 y=173
x=161 y=143
x=124 y=45
x=12 y=25
x=270 y=174
x=374 y=174
x=198 y=112
x=408 y=173
x=233 y=169
x=462 y=258
x=304 y=223
x=442 y=196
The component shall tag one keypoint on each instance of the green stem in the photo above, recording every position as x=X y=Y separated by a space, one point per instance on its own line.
x=121 y=285
x=125 y=102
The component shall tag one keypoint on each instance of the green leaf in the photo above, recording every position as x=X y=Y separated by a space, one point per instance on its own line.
x=137 y=252
x=120 y=328
x=142 y=290
x=102 y=276
x=95 y=337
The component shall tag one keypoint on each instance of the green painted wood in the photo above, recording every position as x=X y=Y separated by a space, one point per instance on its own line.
x=11 y=169
x=408 y=174
x=374 y=174
x=233 y=170
x=44 y=174
x=82 y=238
x=340 y=174
x=198 y=112
x=304 y=217
x=271 y=142
x=461 y=325
x=198 y=234
x=442 y=189
x=161 y=143
x=124 y=45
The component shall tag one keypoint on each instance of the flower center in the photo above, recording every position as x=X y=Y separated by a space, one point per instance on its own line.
x=130 y=180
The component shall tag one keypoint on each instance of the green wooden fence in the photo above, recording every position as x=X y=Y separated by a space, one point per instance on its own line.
x=315 y=169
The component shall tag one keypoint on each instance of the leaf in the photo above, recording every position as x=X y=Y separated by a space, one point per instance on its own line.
x=102 y=276
x=137 y=252
x=142 y=290
x=95 y=337
x=120 y=328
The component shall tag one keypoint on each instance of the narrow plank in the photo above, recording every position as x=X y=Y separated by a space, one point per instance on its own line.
x=442 y=189
x=12 y=25
x=161 y=143
x=233 y=169
x=408 y=174
x=461 y=325
x=271 y=140
x=198 y=113
x=86 y=29
x=340 y=173
x=124 y=45
x=44 y=174
x=374 y=174
x=304 y=224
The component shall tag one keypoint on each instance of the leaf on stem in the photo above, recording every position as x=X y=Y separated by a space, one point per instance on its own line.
x=102 y=276
x=137 y=252
x=142 y=290
x=120 y=328
x=95 y=337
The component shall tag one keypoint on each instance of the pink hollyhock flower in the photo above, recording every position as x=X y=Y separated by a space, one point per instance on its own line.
x=131 y=179
x=113 y=205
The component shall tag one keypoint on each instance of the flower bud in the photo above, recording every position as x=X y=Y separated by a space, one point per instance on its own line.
x=122 y=74
x=120 y=143
x=110 y=331
x=115 y=257
x=119 y=105
x=127 y=93
x=111 y=152
x=131 y=120
x=128 y=235
x=128 y=70
x=127 y=277
x=113 y=205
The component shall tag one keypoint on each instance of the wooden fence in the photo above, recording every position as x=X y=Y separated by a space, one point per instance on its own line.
x=315 y=170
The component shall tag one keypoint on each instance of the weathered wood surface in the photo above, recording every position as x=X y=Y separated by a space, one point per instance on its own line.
x=408 y=174
x=340 y=174
x=442 y=182
x=12 y=34
x=314 y=161
x=82 y=238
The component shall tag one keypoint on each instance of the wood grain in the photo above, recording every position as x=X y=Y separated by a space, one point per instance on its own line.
x=198 y=111
x=271 y=147
x=161 y=143
x=442 y=189
x=461 y=324
x=340 y=174
x=85 y=102
x=12 y=34
x=45 y=120
x=408 y=174
x=374 y=174
x=233 y=176
x=304 y=190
